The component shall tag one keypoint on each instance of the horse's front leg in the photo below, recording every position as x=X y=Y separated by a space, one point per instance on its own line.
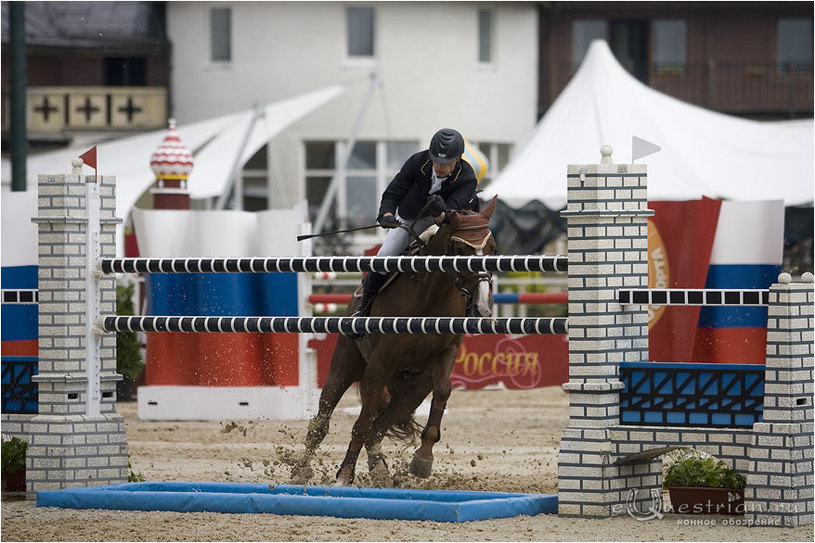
x=371 y=388
x=422 y=463
x=346 y=367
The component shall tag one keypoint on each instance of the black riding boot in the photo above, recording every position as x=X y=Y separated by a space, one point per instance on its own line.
x=370 y=286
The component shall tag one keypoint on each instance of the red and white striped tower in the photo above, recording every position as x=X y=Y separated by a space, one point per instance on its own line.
x=172 y=163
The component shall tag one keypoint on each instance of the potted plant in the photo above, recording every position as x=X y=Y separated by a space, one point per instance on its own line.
x=701 y=484
x=128 y=351
x=13 y=464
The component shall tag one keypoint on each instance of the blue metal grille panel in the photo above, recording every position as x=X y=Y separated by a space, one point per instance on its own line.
x=19 y=391
x=689 y=394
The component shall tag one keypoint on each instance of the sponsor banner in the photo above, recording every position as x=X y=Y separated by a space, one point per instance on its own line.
x=518 y=362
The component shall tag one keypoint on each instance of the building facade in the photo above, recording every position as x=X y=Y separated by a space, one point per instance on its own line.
x=752 y=59
x=93 y=70
x=408 y=69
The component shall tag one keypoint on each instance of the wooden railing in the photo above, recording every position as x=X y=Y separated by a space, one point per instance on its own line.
x=52 y=110
x=732 y=88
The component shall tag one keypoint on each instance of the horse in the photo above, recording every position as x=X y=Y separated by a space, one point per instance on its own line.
x=396 y=372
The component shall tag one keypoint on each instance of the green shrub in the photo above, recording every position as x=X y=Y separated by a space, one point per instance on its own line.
x=695 y=470
x=13 y=453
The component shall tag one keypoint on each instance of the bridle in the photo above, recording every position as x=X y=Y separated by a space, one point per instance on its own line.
x=459 y=279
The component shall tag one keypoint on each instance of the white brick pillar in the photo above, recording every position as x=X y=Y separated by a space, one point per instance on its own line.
x=68 y=446
x=608 y=250
x=780 y=476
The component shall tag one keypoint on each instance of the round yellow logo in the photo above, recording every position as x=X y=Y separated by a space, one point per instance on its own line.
x=659 y=273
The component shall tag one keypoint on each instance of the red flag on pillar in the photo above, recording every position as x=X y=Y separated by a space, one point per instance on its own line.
x=89 y=158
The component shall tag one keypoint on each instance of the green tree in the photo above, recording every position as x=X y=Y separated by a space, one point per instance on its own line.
x=128 y=352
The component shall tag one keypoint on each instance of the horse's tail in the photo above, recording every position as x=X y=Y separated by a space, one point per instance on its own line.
x=405 y=430
x=407 y=388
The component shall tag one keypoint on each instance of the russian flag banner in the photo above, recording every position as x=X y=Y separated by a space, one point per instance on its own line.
x=717 y=245
x=227 y=359
x=747 y=254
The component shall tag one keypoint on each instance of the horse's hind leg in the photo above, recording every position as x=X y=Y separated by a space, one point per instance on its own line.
x=406 y=394
x=347 y=366
x=422 y=463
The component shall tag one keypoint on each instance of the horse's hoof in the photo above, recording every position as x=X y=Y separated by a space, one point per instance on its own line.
x=344 y=478
x=421 y=467
x=301 y=475
x=380 y=475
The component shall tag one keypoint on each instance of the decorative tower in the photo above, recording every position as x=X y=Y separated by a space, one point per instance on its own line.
x=608 y=250
x=172 y=163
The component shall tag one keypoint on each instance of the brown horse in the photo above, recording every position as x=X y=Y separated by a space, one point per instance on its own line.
x=396 y=372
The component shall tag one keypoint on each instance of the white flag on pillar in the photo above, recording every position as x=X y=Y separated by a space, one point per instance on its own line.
x=642 y=148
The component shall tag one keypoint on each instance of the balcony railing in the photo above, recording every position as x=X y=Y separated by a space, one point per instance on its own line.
x=733 y=88
x=55 y=110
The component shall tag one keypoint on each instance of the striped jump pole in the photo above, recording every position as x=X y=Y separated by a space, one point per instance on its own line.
x=527 y=263
x=341 y=325
x=498 y=298
x=675 y=296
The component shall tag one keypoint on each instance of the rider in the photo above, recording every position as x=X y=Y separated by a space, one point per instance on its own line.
x=431 y=182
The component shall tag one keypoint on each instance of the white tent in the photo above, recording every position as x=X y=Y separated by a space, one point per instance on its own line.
x=215 y=143
x=703 y=153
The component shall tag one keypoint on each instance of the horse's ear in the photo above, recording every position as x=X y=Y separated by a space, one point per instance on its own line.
x=454 y=220
x=490 y=208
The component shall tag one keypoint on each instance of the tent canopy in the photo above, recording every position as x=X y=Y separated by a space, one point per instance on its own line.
x=217 y=145
x=703 y=153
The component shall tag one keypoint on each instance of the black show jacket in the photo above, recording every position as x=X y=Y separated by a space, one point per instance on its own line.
x=409 y=189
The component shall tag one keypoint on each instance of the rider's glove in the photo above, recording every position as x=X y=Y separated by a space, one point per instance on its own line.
x=389 y=221
x=436 y=205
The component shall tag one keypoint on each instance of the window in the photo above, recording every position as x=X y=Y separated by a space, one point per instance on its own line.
x=220 y=26
x=360 y=31
x=484 y=35
x=670 y=45
x=255 y=181
x=370 y=168
x=630 y=44
x=125 y=72
x=794 y=45
x=498 y=156
x=361 y=199
x=584 y=31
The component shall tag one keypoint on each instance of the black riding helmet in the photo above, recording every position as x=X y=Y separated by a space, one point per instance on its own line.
x=446 y=146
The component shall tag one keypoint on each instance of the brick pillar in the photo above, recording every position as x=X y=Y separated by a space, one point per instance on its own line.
x=780 y=476
x=608 y=249
x=68 y=446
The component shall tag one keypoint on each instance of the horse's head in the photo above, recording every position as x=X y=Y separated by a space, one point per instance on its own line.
x=468 y=234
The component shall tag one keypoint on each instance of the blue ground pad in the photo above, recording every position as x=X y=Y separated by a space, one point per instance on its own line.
x=346 y=502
